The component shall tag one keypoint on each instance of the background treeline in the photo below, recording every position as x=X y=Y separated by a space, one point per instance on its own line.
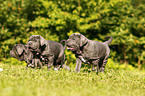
x=55 y=20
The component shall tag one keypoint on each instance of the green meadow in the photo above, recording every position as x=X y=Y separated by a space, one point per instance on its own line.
x=15 y=80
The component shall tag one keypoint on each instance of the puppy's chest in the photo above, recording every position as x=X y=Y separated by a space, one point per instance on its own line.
x=84 y=57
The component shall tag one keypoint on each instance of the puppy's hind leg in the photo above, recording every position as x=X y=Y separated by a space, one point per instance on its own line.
x=63 y=65
x=102 y=68
x=95 y=64
x=50 y=62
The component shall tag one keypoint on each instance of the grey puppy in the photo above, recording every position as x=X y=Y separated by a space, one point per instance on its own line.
x=52 y=52
x=89 y=51
x=22 y=53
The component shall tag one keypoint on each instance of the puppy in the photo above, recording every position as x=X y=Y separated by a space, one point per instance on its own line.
x=51 y=51
x=89 y=51
x=21 y=52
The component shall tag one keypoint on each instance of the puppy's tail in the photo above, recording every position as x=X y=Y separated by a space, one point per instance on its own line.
x=65 y=43
x=109 y=41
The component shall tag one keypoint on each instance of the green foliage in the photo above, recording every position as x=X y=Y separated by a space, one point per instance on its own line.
x=57 y=19
x=13 y=24
x=14 y=61
x=17 y=81
x=115 y=65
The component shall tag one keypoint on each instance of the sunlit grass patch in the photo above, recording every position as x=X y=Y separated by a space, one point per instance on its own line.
x=15 y=80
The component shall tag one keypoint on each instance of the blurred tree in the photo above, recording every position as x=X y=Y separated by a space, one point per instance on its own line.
x=57 y=19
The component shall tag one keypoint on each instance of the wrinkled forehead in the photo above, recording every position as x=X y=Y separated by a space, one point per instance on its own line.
x=18 y=46
x=75 y=35
x=34 y=38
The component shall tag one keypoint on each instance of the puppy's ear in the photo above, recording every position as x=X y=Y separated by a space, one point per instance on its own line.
x=12 y=54
x=42 y=41
x=83 y=40
x=20 y=49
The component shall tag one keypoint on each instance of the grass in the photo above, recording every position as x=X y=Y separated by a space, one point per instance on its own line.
x=15 y=80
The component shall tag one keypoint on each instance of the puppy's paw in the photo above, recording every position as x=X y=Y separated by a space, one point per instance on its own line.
x=55 y=69
x=102 y=69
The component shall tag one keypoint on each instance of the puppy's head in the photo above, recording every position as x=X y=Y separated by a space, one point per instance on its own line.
x=76 y=41
x=18 y=51
x=35 y=42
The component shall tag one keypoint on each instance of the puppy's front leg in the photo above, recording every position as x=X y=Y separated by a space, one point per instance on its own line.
x=40 y=64
x=95 y=63
x=29 y=64
x=35 y=63
x=26 y=66
x=50 y=62
x=102 y=68
x=78 y=65
x=82 y=59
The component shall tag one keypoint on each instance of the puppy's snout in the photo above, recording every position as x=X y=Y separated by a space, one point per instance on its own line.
x=29 y=43
x=67 y=42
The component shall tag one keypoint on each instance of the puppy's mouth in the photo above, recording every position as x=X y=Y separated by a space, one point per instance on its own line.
x=33 y=49
x=71 y=48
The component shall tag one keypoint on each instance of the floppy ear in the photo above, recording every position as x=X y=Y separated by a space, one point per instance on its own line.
x=20 y=49
x=83 y=40
x=12 y=54
x=42 y=41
